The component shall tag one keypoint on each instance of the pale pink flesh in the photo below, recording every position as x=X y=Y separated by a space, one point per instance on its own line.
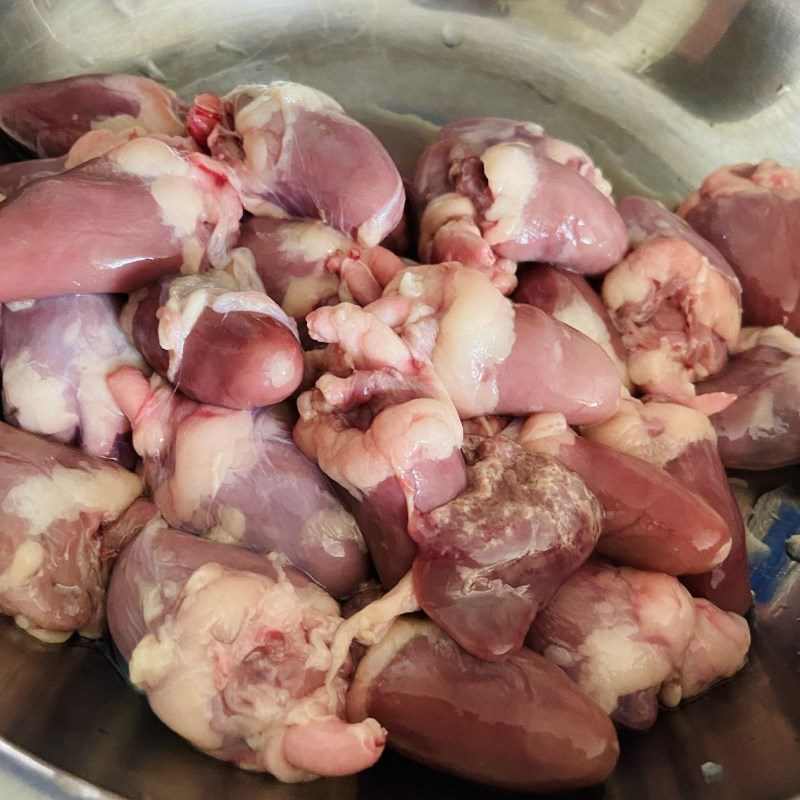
x=237 y=476
x=553 y=367
x=494 y=356
x=18 y=173
x=365 y=427
x=243 y=355
x=330 y=747
x=307 y=253
x=570 y=298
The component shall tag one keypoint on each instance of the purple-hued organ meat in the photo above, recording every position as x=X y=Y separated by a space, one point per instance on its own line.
x=236 y=477
x=55 y=503
x=231 y=649
x=18 y=173
x=482 y=132
x=650 y=519
x=48 y=118
x=491 y=193
x=495 y=356
x=570 y=299
x=384 y=429
x=676 y=302
x=116 y=223
x=751 y=212
x=298 y=154
x=91 y=145
x=218 y=337
x=761 y=428
x=683 y=442
x=492 y=557
x=519 y=724
x=630 y=638
x=305 y=264
x=56 y=355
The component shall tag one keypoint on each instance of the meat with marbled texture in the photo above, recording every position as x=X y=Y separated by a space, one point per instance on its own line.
x=493 y=556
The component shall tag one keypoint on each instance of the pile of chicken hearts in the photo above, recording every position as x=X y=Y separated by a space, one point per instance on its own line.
x=344 y=459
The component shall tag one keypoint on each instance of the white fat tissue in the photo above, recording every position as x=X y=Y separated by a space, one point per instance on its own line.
x=622 y=658
x=439 y=211
x=511 y=173
x=182 y=204
x=332 y=529
x=37 y=401
x=620 y=665
x=762 y=420
x=207 y=452
x=150 y=601
x=665 y=267
x=65 y=494
x=580 y=315
x=304 y=294
x=560 y=656
x=311 y=241
x=218 y=622
x=281 y=368
x=372 y=623
x=475 y=136
x=150 y=158
x=42 y=634
x=481 y=316
x=101 y=419
x=541 y=433
x=237 y=287
x=98 y=142
x=279 y=96
x=229 y=527
x=656 y=364
x=623 y=284
x=27 y=559
x=655 y=432
x=776 y=336
x=568 y=154
x=192 y=252
x=118 y=123
x=369 y=233
x=156 y=112
x=18 y=305
x=359 y=462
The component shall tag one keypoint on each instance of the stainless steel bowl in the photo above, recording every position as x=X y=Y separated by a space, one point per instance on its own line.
x=660 y=92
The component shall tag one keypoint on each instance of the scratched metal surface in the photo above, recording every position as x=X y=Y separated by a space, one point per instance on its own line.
x=660 y=93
